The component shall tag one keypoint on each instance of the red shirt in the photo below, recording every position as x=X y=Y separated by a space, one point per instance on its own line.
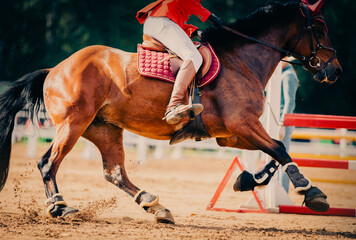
x=179 y=11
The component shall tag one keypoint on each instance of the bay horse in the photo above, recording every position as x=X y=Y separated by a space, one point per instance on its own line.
x=98 y=92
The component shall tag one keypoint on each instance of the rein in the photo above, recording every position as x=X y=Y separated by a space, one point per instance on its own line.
x=286 y=52
x=311 y=32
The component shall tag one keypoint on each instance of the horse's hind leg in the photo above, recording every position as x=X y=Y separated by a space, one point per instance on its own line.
x=66 y=136
x=108 y=138
x=254 y=136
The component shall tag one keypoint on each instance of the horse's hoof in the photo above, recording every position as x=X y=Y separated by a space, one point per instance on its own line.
x=62 y=211
x=164 y=216
x=315 y=199
x=244 y=182
x=69 y=212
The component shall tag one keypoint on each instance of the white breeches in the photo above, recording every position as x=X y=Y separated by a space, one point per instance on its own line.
x=172 y=35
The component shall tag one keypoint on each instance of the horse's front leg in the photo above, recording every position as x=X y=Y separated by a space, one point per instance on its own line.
x=247 y=181
x=108 y=138
x=252 y=135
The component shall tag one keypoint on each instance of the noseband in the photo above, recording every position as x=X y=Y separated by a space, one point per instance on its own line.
x=313 y=60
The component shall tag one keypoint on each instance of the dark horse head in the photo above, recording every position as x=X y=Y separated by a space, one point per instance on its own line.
x=299 y=30
x=319 y=58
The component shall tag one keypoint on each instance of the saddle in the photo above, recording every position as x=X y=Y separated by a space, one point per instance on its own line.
x=156 y=61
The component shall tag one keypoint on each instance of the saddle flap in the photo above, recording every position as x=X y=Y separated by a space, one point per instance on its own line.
x=207 y=60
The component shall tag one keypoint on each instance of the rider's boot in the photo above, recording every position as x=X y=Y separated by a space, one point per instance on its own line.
x=176 y=110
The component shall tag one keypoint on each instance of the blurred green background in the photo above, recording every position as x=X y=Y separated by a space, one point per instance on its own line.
x=38 y=34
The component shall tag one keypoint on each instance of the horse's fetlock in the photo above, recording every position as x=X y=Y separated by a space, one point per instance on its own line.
x=145 y=199
x=55 y=198
x=264 y=176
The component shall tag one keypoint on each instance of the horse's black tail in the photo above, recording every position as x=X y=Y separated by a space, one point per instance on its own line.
x=28 y=90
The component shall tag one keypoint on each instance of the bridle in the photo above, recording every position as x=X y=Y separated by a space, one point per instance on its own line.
x=313 y=60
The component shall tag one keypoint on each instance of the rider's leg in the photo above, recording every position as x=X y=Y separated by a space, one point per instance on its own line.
x=176 y=110
x=173 y=37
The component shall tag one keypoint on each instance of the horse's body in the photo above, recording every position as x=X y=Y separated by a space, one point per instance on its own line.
x=123 y=94
x=98 y=91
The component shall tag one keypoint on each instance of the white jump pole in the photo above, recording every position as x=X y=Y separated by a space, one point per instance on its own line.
x=273 y=102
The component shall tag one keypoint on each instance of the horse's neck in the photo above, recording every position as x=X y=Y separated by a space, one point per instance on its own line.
x=260 y=60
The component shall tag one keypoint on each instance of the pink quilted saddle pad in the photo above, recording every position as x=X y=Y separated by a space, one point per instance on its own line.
x=150 y=65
